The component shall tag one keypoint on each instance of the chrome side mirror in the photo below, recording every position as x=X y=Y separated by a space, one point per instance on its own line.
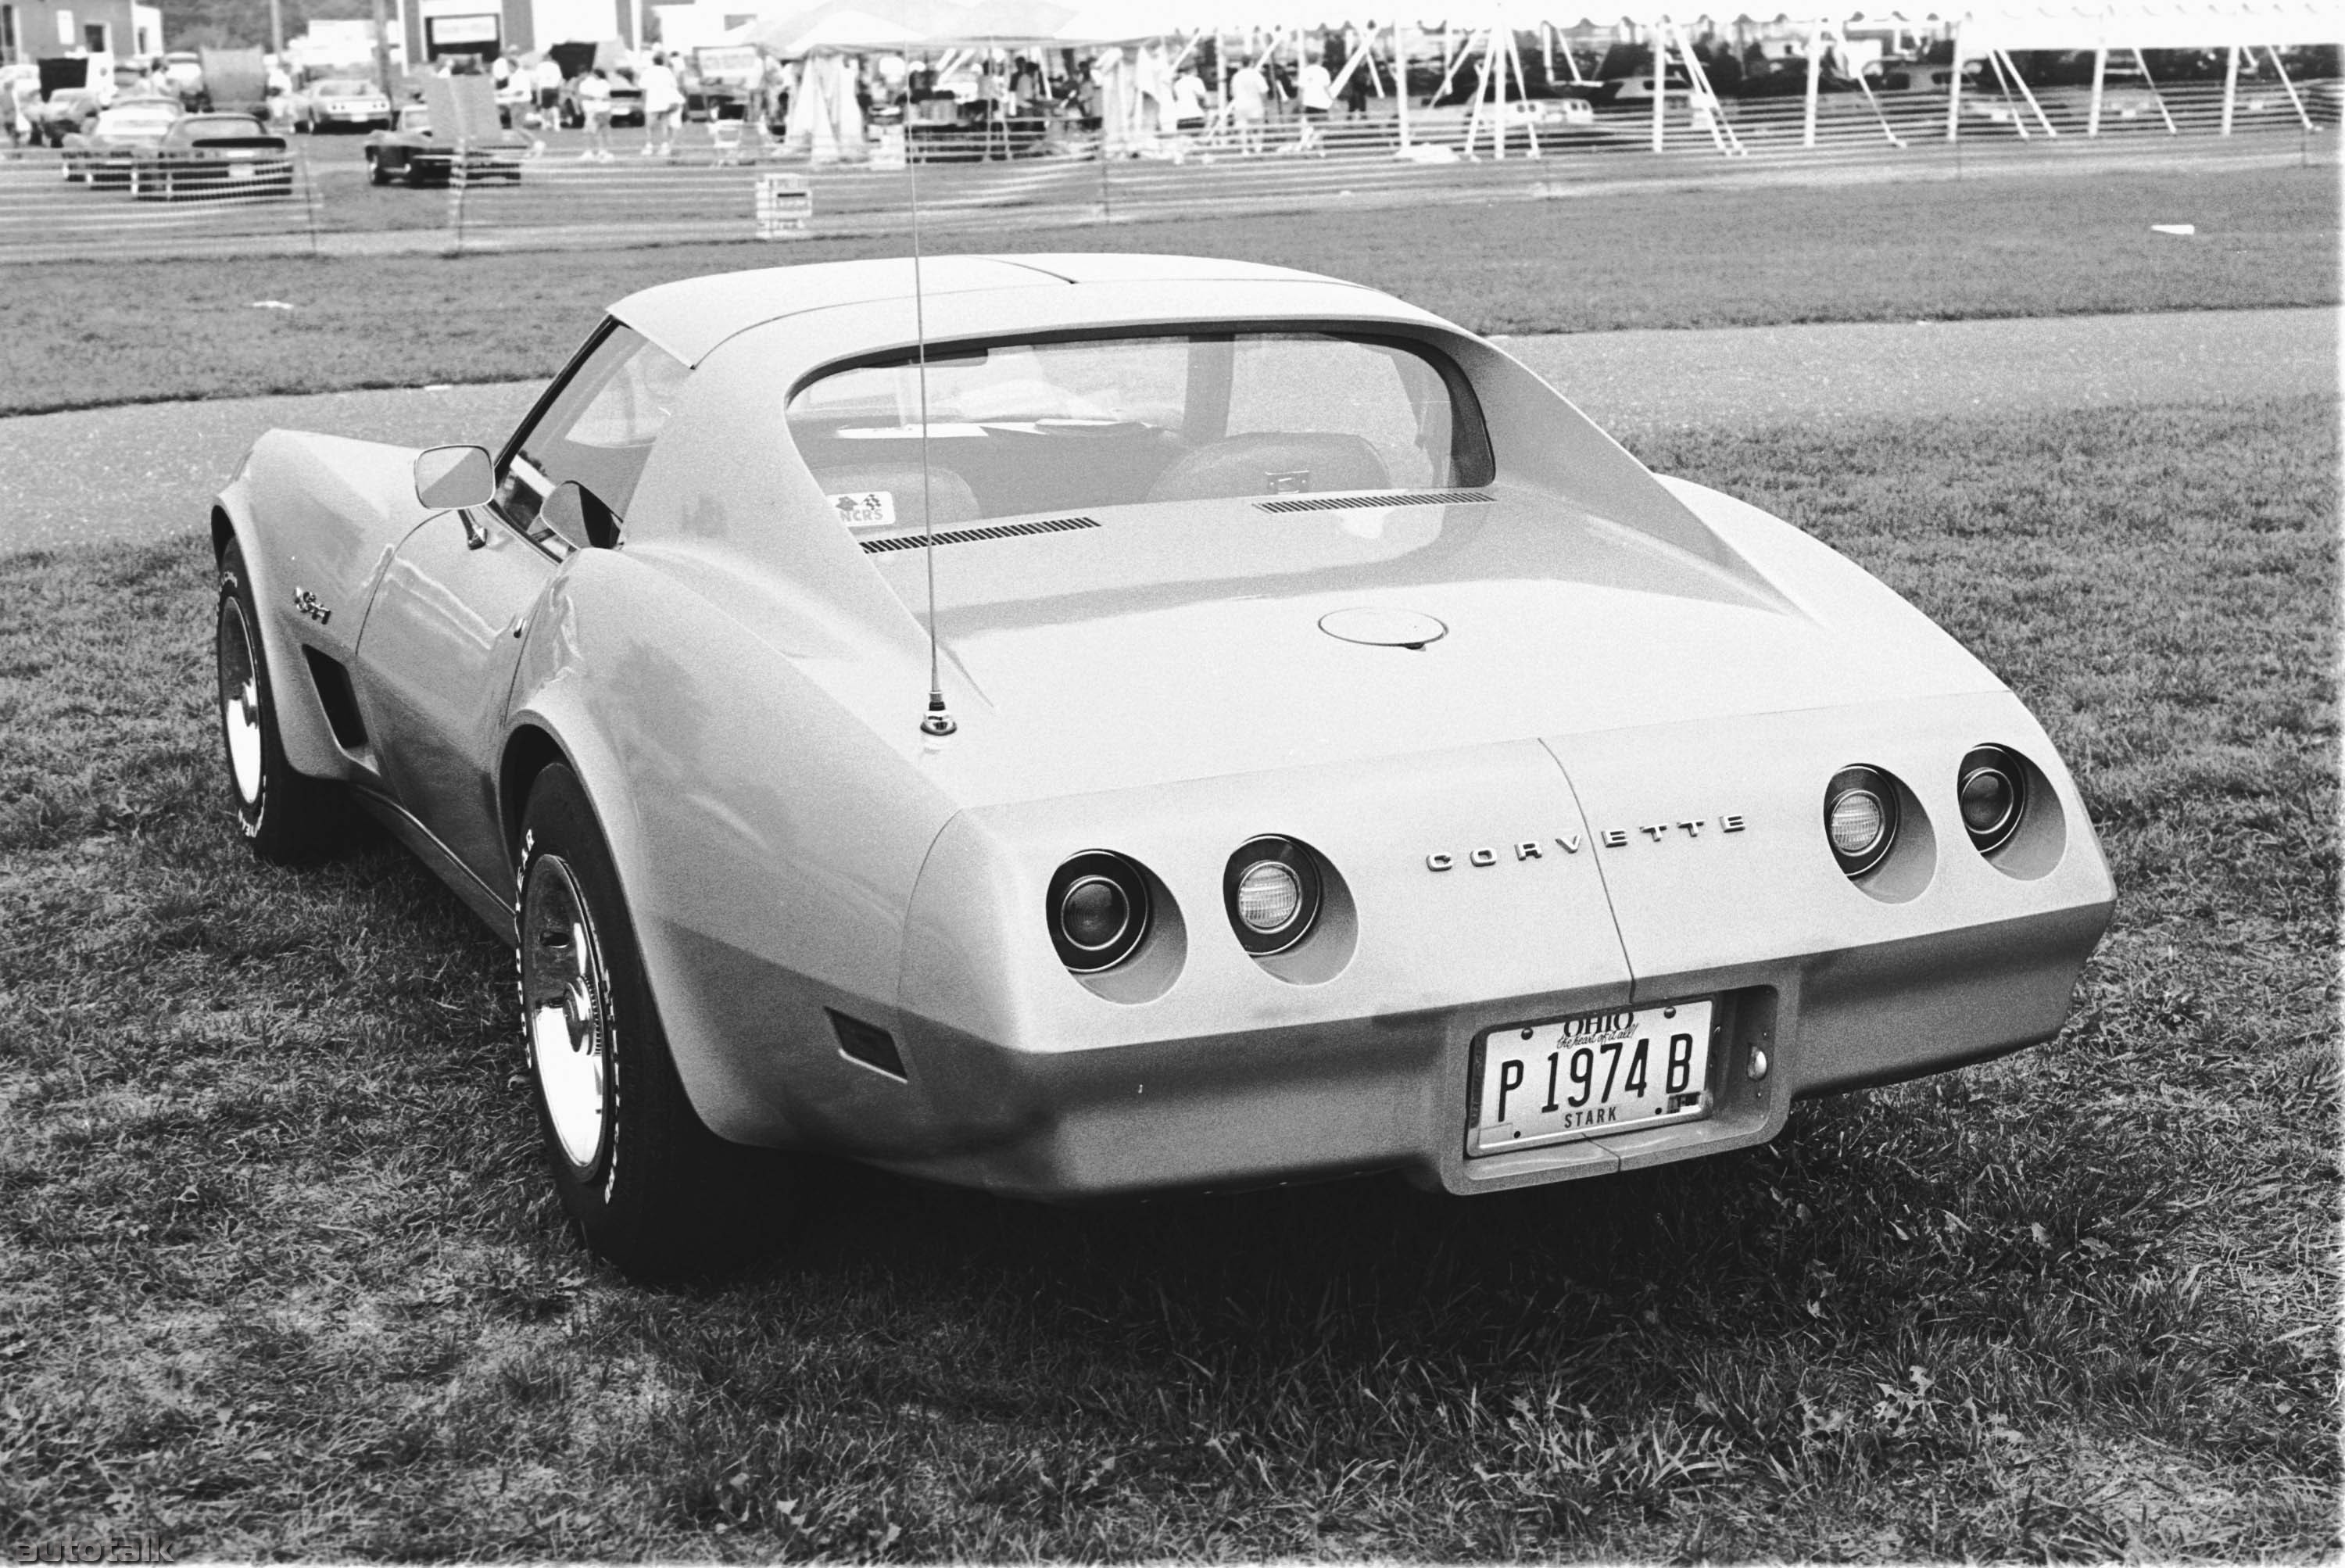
x=451 y=476
x=577 y=514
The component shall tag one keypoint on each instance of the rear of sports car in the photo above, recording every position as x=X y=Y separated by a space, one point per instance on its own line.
x=1359 y=763
x=1483 y=963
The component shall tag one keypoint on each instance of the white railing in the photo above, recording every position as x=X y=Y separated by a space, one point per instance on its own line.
x=318 y=198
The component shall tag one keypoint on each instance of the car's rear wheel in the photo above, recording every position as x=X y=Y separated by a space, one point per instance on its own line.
x=645 y=1183
x=285 y=816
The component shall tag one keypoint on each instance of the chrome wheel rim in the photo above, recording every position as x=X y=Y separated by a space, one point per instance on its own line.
x=239 y=699
x=565 y=1009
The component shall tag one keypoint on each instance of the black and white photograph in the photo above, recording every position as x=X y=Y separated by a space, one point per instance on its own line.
x=1062 y=781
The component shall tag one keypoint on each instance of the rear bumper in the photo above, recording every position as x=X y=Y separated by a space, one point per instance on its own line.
x=1255 y=1108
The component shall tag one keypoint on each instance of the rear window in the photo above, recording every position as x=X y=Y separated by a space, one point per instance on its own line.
x=213 y=127
x=1076 y=425
x=138 y=116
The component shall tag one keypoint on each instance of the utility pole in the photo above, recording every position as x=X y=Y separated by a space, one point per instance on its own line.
x=276 y=29
x=381 y=53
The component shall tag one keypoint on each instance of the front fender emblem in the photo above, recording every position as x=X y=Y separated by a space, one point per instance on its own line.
x=310 y=605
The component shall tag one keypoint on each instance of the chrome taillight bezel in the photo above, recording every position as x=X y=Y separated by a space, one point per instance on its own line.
x=2006 y=764
x=1297 y=858
x=1126 y=879
x=1861 y=777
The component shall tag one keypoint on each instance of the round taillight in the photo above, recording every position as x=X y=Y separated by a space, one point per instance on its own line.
x=1098 y=910
x=1269 y=895
x=1991 y=787
x=1861 y=818
x=1271 y=888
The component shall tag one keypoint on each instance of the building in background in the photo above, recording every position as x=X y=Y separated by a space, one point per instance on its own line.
x=43 y=29
x=437 y=29
x=345 y=48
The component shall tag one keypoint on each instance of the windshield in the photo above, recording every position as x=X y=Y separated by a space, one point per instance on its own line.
x=1026 y=427
x=143 y=116
x=214 y=127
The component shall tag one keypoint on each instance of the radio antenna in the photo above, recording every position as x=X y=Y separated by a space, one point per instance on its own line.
x=936 y=721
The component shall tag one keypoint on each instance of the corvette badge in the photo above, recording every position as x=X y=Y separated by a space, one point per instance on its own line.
x=1569 y=844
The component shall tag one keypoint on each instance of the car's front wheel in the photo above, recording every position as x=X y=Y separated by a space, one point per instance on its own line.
x=376 y=173
x=645 y=1183
x=285 y=816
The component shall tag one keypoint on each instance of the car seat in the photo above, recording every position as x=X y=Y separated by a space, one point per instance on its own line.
x=1272 y=465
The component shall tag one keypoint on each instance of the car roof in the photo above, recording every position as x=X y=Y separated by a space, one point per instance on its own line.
x=691 y=317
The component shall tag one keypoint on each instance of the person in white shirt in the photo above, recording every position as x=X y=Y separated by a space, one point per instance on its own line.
x=1249 y=105
x=546 y=77
x=1189 y=102
x=663 y=106
x=594 y=109
x=1316 y=88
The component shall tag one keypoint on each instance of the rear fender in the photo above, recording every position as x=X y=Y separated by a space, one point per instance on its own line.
x=766 y=842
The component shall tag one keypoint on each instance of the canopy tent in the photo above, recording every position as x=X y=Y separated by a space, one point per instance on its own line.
x=799 y=26
x=1988 y=30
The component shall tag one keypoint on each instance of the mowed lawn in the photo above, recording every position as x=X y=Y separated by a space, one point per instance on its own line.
x=2061 y=244
x=279 y=1274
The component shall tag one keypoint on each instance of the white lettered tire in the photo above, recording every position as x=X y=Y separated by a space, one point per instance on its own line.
x=646 y=1186
x=285 y=816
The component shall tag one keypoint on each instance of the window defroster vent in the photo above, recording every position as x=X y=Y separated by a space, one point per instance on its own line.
x=1343 y=503
x=963 y=535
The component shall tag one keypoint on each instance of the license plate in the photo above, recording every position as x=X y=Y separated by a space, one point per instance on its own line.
x=1589 y=1075
x=240 y=171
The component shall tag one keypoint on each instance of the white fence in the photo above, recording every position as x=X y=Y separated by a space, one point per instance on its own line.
x=323 y=201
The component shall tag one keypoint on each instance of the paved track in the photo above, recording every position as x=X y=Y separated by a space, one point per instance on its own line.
x=145 y=472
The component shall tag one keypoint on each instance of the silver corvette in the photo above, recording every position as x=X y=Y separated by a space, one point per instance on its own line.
x=1114 y=724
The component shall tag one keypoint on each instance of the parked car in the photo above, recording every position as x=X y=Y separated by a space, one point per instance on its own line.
x=409 y=153
x=1900 y=76
x=1625 y=75
x=351 y=102
x=1217 y=726
x=102 y=155
x=212 y=157
x=1789 y=79
x=1566 y=116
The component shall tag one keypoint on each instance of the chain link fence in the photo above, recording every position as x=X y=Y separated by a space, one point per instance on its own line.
x=319 y=198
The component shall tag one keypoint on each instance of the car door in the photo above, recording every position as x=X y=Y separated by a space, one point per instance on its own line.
x=437 y=655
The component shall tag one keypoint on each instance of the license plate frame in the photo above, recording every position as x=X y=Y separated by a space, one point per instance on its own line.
x=1533 y=1109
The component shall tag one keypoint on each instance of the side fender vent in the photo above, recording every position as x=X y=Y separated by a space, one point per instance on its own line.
x=1347 y=502
x=335 y=695
x=963 y=535
x=868 y=1044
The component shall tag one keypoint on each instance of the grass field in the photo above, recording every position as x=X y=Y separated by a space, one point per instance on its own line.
x=105 y=332
x=281 y=1277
